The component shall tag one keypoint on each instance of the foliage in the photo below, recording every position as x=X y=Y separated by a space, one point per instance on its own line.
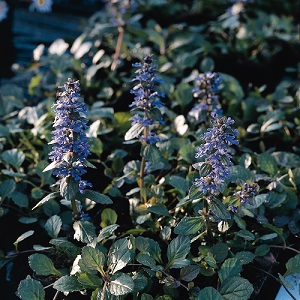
x=178 y=208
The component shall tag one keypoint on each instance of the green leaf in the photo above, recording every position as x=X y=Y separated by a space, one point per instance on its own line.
x=51 y=166
x=30 y=289
x=218 y=208
x=108 y=217
x=93 y=258
x=159 y=210
x=134 y=131
x=245 y=234
x=146 y=260
x=188 y=273
x=230 y=267
x=189 y=225
x=84 y=231
x=45 y=199
x=14 y=157
x=239 y=173
x=23 y=236
x=236 y=288
x=20 y=199
x=89 y=280
x=180 y=184
x=97 y=197
x=149 y=246
x=204 y=168
x=106 y=232
x=244 y=257
x=121 y=284
x=293 y=265
x=219 y=251
x=53 y=226
x=65 y=246
x=279 y=231
x=67 y=284
x=4 y=131
x=42 y=265
x=152 y=154
x=267 y=163
x=68 y=188
x=177 y=251
x=120 y=254
x=7 y=187
x=209 y=293
x=262 y=250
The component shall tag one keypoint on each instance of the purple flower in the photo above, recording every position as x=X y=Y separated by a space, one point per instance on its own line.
x=70 y=144
x=207 y=87
x=215 y=151
x=248 y=191
x=146 y=102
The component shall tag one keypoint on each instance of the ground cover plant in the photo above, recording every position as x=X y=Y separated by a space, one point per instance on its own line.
x=150 y=159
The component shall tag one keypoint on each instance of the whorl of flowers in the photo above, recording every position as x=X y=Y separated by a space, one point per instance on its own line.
x=215 y=151
x=146 y=99
x=70 y=144
x=248 y=192
x=117 y=9
x=3 y=10
x=207 y=87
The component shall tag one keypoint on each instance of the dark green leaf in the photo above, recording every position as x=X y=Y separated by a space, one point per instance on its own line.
x=42 y=265
x=97 y=197
x=68 y=188
x=230 y=267
x=92 y=258
x=53 y=226
x=293 y=265
x=67 y=284
x=14 y=157
x=47 y=198
x=209 y=293
x=7 y=188
x=121 y=284
x=218 y=208
x=236 y=288
x=159 y=210
x=84 y=231
x=189 y=273
x=267 y=163
x=30 y=289
x=120 y=254
x=189 y=225
x=89 y=280
x=177 y=251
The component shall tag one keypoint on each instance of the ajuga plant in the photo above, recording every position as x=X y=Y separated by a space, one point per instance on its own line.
x=205 y=93
x=70 y=149
x=146 y=104
x=214 y=170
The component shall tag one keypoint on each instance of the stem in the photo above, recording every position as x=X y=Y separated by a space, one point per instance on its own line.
x=285 y=247
x=118 y=47
x=103 y=290
x=207 y=222
x=74 y=208
x=56 y=295
x=142 y=169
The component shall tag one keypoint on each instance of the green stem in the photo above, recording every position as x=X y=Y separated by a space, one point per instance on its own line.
x=142 y=169
x=207 y=222
x=74 y=208
x=118 y=47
